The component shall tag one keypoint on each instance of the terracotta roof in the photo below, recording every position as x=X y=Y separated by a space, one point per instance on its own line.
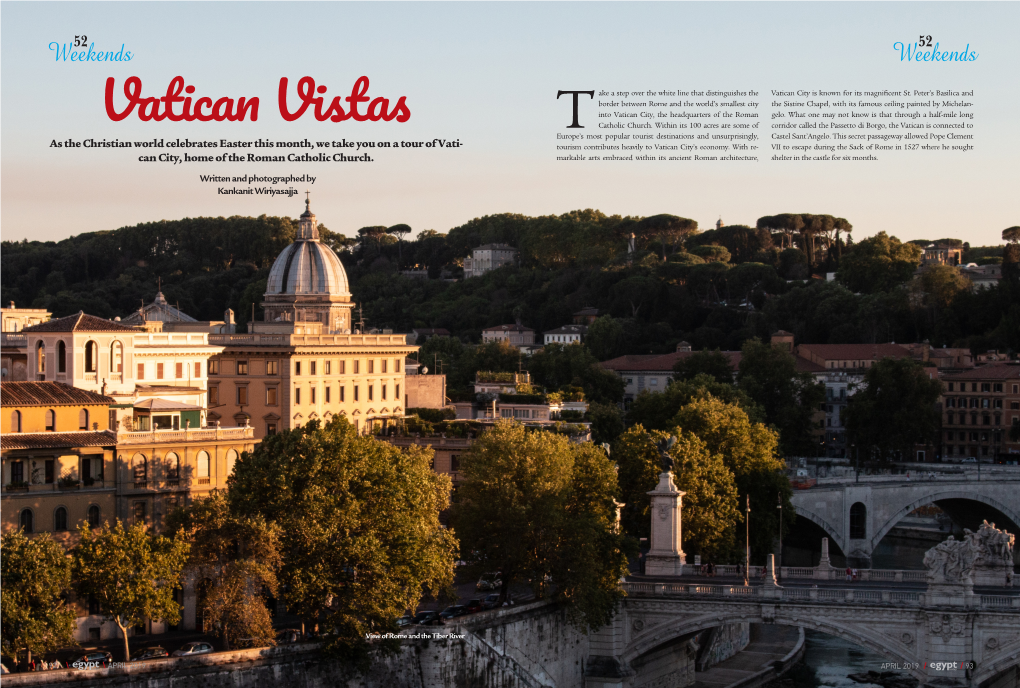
x=166 y=389
x=569 y=329
x=56 y=440
x=860 y=352
x=806 y=366
x=508 y=328
x=992 y=371
x=588 y=310
x=79 y=322
x=659 y=362
x=48 y=394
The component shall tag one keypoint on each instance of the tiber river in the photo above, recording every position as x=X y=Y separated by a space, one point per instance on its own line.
x=828 y=660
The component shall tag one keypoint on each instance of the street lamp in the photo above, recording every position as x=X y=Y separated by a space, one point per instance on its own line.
x=779 y=569
x=747 y=549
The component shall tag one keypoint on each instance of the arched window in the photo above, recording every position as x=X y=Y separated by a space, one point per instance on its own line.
x=203 y=464
x=116 y=358
x=93 y=516
x=61 y=357
x=26 y=521
x=60 y=519
x=40 y=358
x=51 y=421
x=139 y=468
x=15 y=421
x=231 y=460
x=173 y=466
x=91 y=354
x=83 y=419
x=858 y=521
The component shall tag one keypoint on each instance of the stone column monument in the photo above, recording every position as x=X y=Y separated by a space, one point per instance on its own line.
x=665 y=558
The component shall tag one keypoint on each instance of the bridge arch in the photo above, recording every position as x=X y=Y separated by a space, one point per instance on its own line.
x=674 y=628
x=835 y=536
x=938 y=495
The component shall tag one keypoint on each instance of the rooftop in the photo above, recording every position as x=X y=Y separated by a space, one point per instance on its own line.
x=79 y=322
x=48 y=394
x=56 y=440
x=992 y=371
x=871 y=352
x=508 y=328
x=659 y=362
x=495 y=247
x=569 y=329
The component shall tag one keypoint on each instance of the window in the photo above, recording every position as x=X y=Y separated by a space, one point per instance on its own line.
x=454 y=462
x=311 y=368
x=203 y=464
x=40 y=358
x=997 y=387
x=396 y=394
x=214 y=395
x=998 y=403
x=139 y=512
x=198 y=369
x=242 y=395
x=271 y=396
x=973 y=386
x=242 y=367
x=83 y=419
x=270 y=429
x=50 y=464
x=93 y=516
x=858 y=521
x=60 y=519
x=297 y=367
x=341 y=393
x=951 y=385
x=986 y=387
x=383 y=392
x=231 y=460
x=343 y=367
x=297 y=395
x=17 y=472
x=396 y=365
x=91 y=355
x=61 y=357
x=173 y=466
x=327 y=394
x=26 y=521
x=371 y=366
x=141 y=372
x=51 y=421
x=139 y=467
x=214 y=367
x=159 y=371
x=271 y=368
x=355 y=392
x=384 y=362
x=357 y=367
x=312 y=395
x=327 y=367
x=371 y=391
x=178 y=370
x=15 y=421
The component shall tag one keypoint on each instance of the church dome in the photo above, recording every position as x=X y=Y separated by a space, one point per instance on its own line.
x=307 y=266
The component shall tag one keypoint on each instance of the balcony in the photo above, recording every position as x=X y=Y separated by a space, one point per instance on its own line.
x=15 y=339
x=263 y=339
x=128 y=437
x=59 y=486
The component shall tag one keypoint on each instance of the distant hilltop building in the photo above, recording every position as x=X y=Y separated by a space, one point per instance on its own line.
x=516 y=334
x=943 y=253
x=568 y=334
x=488 y=257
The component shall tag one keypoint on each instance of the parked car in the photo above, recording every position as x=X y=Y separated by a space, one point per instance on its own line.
x=285 y=636
x=405 y=620
x=474 y=606
x=425 y=618
x=969 y=459
x=489 y=581
x=194 y=648
x=98 y=658
x=453 y=611
x=149 y=653
x=490 y=601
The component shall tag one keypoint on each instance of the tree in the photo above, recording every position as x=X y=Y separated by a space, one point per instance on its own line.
x=361 y=517
x=669 y=228
x=711 y=253
x=558 y=366
x=895 y=409
x=1011 y=235
x=131 y=573
x=711 y=363
x=656 y=410
x=533 y=504
x=878 y=263
x=241 y=557
x=400 y=231
x=604 y=338
x=35 y=575
x=606 y=422
x=788 y=397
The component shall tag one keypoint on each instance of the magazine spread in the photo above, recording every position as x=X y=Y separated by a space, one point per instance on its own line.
x=510 y=343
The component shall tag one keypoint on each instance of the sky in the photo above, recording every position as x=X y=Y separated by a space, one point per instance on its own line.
x=487 y=74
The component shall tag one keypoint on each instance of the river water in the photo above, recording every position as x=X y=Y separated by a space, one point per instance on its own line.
x=828 y=660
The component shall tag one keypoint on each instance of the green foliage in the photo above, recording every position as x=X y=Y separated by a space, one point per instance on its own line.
x=533 y=504
x=522 y=398
x=34 y=575
x=710 y=252
x=788 y=397
x=238 y=557
x=895 y=409
x=1011 y=234
x=606 y=422
x=705 y=362
x=131 y=573
x=656 y=410
x=560 y=366
x=605 y=338
x=878 y=263
x=433 y=415
x=361 y=517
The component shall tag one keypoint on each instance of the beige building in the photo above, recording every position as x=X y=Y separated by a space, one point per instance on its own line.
x=488 y=257
x=516 y=334
x=16 y=319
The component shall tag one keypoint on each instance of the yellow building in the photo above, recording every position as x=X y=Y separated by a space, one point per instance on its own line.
x=58 y=458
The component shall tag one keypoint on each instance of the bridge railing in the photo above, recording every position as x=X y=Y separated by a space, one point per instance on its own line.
x=841 y=596
x=817 y=573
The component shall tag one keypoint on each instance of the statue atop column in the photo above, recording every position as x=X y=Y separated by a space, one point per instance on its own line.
x=665 y=556
x=993 y=555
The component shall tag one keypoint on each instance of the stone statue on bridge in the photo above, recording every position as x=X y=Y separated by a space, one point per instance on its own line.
x=950 y=563
x=993 y=554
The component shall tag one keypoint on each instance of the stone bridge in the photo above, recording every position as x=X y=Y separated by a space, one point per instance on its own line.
x=966 y=641
x=856 y=516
